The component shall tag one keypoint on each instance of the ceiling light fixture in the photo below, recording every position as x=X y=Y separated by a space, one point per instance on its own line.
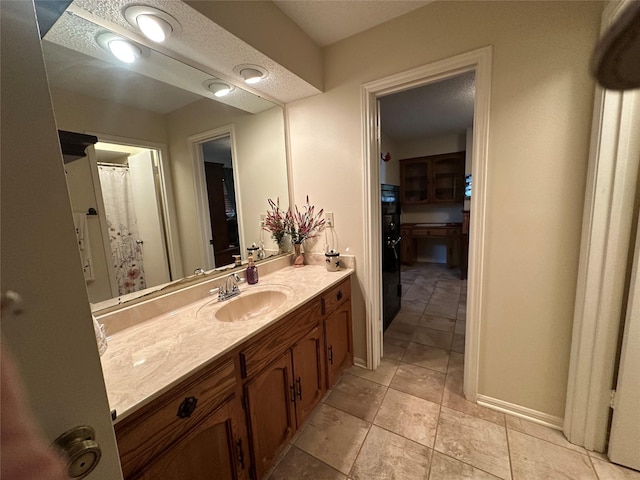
x=218 y=88
x=121 y=48
x=154 y=24
x=251 y=73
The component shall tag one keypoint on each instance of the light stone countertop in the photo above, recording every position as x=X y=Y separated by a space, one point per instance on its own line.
x=148 y=359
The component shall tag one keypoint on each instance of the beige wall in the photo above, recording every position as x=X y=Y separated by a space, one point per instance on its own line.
x=541 y=102
x=260 y=160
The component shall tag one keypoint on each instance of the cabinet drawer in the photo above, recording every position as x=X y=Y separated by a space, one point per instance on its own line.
x=454 y=232
x=336 y=296
x=429 y=232
x=259 y=353
x=148 y=432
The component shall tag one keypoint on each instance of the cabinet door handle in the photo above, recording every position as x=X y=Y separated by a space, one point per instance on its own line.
x=293 y=393
x=299 y=382
x=187 y=407
x=339 y=295
x=240 y=454
x=331 y=354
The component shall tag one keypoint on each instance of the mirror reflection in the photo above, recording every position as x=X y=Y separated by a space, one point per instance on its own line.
x=179 y=178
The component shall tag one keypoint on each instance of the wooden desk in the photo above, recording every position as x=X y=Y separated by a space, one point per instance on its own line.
x=412 y=232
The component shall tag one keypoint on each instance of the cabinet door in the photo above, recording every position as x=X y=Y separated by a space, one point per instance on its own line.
x=272 y=420
x=448 y=179
x=339 y=351
x=213 y=449
x=414 y=184
x=308 y=369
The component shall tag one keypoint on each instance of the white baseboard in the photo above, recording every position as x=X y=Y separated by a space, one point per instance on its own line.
x=521 y=412
x=360 y=362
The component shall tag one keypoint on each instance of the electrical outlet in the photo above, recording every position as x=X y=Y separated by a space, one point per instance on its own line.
x=263 y=218
x=329 y=219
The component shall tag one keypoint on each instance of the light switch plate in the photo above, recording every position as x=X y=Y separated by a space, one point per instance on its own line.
x=329 y=220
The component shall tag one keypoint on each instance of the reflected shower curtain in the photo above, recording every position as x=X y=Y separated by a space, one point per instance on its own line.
x=126 y=249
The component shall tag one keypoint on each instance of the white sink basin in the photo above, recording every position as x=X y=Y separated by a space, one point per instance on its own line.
x=246 y=306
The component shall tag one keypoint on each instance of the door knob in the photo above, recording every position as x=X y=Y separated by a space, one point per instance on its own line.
x=80 y=449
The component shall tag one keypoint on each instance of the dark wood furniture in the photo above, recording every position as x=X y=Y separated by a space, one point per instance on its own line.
x=464 y=244
x=412 y=232
x=232 y=418
x=436 y=179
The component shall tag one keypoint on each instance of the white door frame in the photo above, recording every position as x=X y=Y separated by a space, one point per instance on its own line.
x=607 y=228
x=200 y=187
x=480 y=62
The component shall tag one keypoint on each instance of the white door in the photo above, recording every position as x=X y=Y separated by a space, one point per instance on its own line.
x=624 y=440
x=149 y=216
x=52 y=341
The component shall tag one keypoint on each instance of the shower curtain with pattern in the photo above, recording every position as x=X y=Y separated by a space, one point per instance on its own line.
x=126 y=249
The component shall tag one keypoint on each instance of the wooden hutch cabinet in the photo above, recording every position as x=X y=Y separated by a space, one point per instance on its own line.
x=436 y=179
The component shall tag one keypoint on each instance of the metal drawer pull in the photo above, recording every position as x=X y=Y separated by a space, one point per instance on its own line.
x=80 y=449
x=293 y=393
x=187 y=407
x=240 y=454
x=298 y=381
x=331 y=354
x=339 y=296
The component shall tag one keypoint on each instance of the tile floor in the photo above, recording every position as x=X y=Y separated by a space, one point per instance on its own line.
x=409 y=420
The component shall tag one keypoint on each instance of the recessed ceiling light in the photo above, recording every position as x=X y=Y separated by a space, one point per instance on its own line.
x=121 y=48
x=154 y=24
x=218 y=88
x=251 y=73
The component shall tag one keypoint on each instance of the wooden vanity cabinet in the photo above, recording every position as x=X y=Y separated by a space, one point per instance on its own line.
x=196 y=426
x=336 y=306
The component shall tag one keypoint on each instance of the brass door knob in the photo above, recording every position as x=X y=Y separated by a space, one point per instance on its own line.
x=80 y=449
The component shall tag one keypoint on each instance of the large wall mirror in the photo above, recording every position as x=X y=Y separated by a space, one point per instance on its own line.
x=179 y=178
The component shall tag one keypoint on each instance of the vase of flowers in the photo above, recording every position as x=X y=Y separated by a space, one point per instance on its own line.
x=301 y=225
x=275 y=223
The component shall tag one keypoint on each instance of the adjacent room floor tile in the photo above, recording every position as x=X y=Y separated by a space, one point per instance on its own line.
x=426 y=356
x=447 y=468
x=386 y=455
x=409 y=318
x=401 y=331
x=382 y=375
x=333 y=436
x=300 y=465
x=413 y=305
x=477 y=442
x=393 y=348
x=437 y=323
x=453 y=398
x=419 y=381
x=456 y=364
x=411 y=417
x=535 y=458
x=541 y=432
x=433 y=338
x=609 y=471
x=458 y=343
x=357 y=396
x=448 y=310
x=461 y=327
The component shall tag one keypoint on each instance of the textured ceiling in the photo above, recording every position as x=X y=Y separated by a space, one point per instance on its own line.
x=328 y=21
x=436 y=109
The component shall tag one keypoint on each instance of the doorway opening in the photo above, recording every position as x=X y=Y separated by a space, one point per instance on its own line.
x=478 y=62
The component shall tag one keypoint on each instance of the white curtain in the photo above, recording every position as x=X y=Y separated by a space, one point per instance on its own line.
x=126 y=250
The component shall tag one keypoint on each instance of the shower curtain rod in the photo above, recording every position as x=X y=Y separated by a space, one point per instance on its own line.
x=119 y=165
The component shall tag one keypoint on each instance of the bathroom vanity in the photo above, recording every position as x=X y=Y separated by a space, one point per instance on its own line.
x=196 y=395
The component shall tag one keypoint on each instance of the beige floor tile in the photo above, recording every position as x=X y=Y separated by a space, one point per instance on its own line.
x=411 y=417
x=461 y=314
x=413 y=305
x=447 y=468
x=598 y=455
x=393 y=348
x=427 y=357
x=449 y=311
x=357 y=396
x=461 y=327
x=449 y=288
x=386 y=455
x=535 y=458
x=382 y=375
x=542 y=432
x=456 y=364
x=474 y=441
x=418 y=293
x=300 y=465
x=609 y=471
x=333 y=436
x=437 y=323
x=433 y=338
x=401 y=331
x=407 y=317
x=454 y=399
x=458 y=343
x=419 y=381
x=444 y=298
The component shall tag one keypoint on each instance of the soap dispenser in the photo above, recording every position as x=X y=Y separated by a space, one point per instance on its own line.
x=252 y=272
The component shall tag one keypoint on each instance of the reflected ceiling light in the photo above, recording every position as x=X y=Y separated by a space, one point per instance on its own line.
x=121 y=48
x=218 y=88
x=251 y=73
x=154 y=24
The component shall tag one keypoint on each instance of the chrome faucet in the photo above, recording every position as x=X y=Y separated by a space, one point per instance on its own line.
x=230 y=288
x=199 y=271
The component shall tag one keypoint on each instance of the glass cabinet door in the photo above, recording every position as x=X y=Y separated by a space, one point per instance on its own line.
x=415 y=182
